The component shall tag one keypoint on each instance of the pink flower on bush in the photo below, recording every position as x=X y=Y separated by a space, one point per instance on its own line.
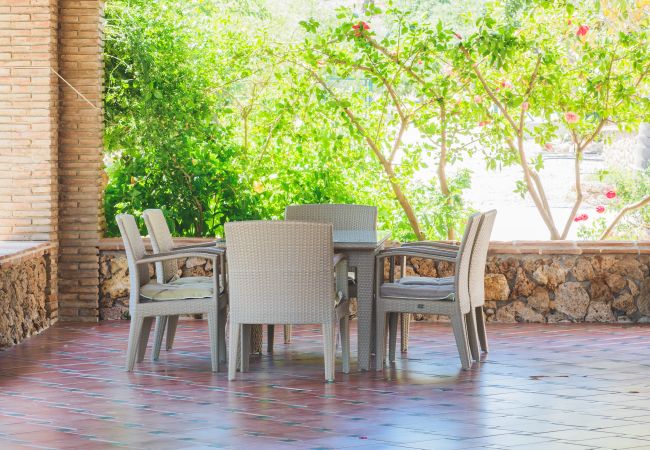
x=600 y=209
x=569 y=22
x=582 y=30
x=571 y=117
x=581 y=217
x=610 y=194
x=505 y=84
x=458 y=36
x=548 y=146
x=478 y=99
x=483 y=123
x=525 y=106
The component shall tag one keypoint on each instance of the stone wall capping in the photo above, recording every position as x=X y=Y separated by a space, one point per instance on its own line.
x=16 y=252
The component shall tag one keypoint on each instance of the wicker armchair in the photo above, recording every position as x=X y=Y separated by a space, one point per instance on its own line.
x=167 y=271
x=419 y=296
x=476 y=321
x=342 y=217
x=282 y=272
x=149 y=299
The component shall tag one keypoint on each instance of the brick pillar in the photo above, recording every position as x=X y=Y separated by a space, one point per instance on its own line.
x=80 y=158
x=28 y=126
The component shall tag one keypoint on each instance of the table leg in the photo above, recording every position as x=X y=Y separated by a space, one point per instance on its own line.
x=364 y=262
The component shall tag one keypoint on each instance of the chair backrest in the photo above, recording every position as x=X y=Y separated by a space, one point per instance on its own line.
x=161 y=242
x=463 y=261
x=134 y=248
x=280 y=272
x=342 y=217
x=479 y=258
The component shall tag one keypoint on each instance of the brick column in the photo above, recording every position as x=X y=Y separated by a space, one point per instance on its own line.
x=80 y=158
x=28 y=126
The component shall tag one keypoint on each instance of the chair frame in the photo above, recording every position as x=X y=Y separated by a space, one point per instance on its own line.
x=457 y=309
x=264 y=288
x=143 y=310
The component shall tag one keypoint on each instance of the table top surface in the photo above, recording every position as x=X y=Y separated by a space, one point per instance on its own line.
x=350 y=239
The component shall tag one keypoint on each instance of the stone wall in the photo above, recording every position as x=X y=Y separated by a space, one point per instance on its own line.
x=25 y=294
x=543 y=282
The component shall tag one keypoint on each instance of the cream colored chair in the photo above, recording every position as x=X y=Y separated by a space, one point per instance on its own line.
x=149 y=299
x=168 y=271
x=342 y=217
x=284 y=273
x=416 y=295
x=476 y=319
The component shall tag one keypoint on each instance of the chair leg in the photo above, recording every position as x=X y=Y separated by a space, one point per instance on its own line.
x=172 y=322
x=460 y=334
x=405 y=328
x=213 y=331
x=270 y=335
x=380 y=339
x=392 y=335
x=344 y=331
x=134 y=340
x=472 y=335
x=221 y=336
x=256 y=339
x=144 y=337
x=329 y=336
x=161 y=324
x=287 y=334
x=246 y=332
x=480 y=325
x=235 y=333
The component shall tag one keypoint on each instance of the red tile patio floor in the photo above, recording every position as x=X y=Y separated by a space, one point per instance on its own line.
x=541 y=387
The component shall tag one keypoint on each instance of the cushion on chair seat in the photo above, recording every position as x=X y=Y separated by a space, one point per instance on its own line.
x=176 y=290
x=434 y=292
x=425 y=281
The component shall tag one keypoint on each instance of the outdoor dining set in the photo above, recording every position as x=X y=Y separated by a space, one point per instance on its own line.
x=304 y=270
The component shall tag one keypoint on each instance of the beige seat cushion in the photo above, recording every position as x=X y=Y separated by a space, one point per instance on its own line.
x=426 y=281
x=432 y=291
x=183 y=288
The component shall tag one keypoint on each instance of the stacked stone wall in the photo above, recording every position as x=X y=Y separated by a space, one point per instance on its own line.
x=524 y=282
x=24 y=296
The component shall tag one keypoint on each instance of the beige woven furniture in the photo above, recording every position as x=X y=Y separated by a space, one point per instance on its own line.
x=345 y=217
x=476 y=319
x=408 y=295
x=149 y=299
x=283 y=272
x=168 y=271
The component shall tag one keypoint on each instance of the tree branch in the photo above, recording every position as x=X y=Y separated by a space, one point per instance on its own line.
x=633 y=207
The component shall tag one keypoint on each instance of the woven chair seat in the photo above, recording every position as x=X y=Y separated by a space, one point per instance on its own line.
x=425 y=281
x=418 y=291
x=179 y=289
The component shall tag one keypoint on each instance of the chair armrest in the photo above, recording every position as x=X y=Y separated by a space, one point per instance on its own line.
x=205 y=244
x=212 y=253
x=434 y=244
x=418 y=252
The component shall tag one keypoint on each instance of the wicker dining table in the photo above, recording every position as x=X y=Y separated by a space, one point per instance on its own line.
x=361 y=248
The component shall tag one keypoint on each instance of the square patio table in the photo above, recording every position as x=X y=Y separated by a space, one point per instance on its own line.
x=361 y=248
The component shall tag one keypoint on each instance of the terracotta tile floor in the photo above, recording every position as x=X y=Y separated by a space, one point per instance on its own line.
x=542 y=387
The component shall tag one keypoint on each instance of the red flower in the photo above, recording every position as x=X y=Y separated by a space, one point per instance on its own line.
x=600 y=209
x=525 y=106
x=577 y=218
x=580 y=217
x=361 y=26
x=548 y=146
x=585 y=216
x=505 y=84
x=610 y=194
x=458 y=36
x=582 y=30
x=483 y=123
x=568 y=22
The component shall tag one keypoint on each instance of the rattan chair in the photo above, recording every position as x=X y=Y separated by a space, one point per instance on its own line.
x=476 y=320
x=149 y=299
x=342 y=217
x=404 y=295
x=168 y=271
x=284 y=273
